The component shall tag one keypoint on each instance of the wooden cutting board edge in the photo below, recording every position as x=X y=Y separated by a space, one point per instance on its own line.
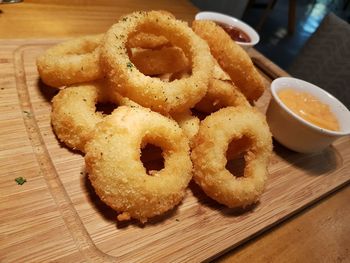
x=77 y=230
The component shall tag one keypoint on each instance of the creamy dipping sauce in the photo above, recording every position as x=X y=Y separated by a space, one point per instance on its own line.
x=235 y=33
x=309 y=108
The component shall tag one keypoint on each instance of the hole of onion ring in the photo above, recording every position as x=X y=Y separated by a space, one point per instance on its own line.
x=169 y=77
x=180 y=75
x=105 y=108
x=236 y=166
x=152 y=159
x=199 y=114
x=235 y=156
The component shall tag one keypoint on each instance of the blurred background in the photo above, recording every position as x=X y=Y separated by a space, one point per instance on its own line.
x=284 y=25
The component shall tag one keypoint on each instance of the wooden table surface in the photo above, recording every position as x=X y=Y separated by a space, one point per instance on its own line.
x=320 y=233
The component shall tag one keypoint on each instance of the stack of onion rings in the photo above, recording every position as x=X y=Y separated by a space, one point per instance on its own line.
x=163 y=74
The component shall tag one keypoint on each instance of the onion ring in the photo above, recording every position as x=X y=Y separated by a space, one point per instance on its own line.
x=115 y=169
x=152 y=92
x=221 y=93
x=74 y=115
x=71 y=62
x=160 y=61
x=232 y=58
x=188 y=123
x=148 y=41
x=216 y=132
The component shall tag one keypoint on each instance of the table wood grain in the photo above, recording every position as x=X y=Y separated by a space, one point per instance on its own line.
x=320 y=233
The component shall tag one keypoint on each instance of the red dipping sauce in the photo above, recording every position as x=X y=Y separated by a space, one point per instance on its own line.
x=235 y=33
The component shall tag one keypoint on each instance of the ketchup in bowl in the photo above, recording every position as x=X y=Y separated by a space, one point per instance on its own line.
x=235 y=33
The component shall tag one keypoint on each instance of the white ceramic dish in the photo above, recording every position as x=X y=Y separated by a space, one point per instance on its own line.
x=296 y=133
x=226 y=19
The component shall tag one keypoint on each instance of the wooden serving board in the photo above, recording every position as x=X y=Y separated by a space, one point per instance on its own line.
x=55 y=215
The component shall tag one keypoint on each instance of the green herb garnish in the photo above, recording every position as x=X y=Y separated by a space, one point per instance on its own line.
x=20 y=180
x=129 y=65
x=27 y=113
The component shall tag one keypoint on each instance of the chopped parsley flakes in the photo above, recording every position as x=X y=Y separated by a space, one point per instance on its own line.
x=20 y=180
x=129 y=65
x=27 y=113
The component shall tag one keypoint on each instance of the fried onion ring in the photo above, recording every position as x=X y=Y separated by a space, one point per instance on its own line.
x=153 y=93
x=221 y=93
x=71 y=62
x=188 y=123
x=147 y=40
x=119 y=177
x=216 y=133
x=160 y=61
x=74 y=115
x=232 y=58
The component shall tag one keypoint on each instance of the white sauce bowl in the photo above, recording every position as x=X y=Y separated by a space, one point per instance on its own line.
x=232 y=21
x=293 y=131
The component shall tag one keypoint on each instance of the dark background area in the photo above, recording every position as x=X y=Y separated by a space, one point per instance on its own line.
x=275 y=41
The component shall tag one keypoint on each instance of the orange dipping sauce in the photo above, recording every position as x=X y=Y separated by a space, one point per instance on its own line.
x=309 y=108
